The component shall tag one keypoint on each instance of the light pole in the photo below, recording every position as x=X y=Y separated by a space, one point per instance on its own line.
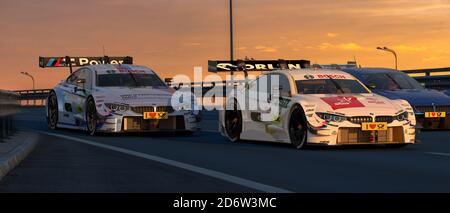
x=391 y=51
x=28 y=74
x=231 y=31
x=32 y=78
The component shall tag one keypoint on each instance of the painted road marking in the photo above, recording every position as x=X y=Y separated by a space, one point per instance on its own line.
x=211 y=173
x=439 y=153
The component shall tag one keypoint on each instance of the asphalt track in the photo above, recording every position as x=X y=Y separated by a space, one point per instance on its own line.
x=72 y=161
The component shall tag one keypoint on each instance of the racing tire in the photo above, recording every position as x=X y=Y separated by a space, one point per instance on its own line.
x=52 y=111
x=298 y=129
x=91 y=117
x=233 y=123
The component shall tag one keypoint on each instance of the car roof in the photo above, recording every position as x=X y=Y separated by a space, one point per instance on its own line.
x=370 y=70
x=303 y=74
x=106 y=68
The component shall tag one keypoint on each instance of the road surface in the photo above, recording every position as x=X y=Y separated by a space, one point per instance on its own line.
x=72 y=161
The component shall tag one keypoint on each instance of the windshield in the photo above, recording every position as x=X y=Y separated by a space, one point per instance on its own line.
x=330 y=86
x=129 y=80
x=390 y=81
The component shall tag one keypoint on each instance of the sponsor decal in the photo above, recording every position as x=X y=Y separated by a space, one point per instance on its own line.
x=333 y=76
x=127 y=69
x=309 y=77
x=144 y=96
x=156 y=115
x=340 y=102
x=284 y=102
x=374 y=126
x=256 y=65
x=435 y=114
x=82 y=61
x=374 y=101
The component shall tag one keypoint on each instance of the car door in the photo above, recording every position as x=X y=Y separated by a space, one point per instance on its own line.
x=75 y=90
x=282 y=100
x=280 y=95
x=257 y=115
x=82 y=89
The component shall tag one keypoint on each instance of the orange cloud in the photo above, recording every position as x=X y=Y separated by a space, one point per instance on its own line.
x=332 y=35
x=266 y=49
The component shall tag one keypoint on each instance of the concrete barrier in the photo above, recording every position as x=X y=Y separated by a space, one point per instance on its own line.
x=8 y=108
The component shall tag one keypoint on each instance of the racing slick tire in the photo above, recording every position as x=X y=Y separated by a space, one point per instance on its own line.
x=52 y=111
x=233 y=123
x=298 y=129
x=91 y=116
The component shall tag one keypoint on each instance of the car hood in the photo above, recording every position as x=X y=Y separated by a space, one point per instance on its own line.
x=136 y=96
x=353 y=104
x=417 y=97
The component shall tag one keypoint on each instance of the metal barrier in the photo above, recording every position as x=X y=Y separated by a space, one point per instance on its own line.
x=8 y=108
x=429 y=72
x=32 y=97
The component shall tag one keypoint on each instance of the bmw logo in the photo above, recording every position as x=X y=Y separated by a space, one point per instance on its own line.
x=309 y=77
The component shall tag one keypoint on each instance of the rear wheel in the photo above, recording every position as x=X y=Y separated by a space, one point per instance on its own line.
x=297 y=128
x=91 y=117
x=233 y=123
x=52 y=111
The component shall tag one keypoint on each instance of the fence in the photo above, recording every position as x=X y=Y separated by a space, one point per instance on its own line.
x=8 y=108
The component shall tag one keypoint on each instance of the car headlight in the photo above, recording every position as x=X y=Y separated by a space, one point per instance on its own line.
x=331 y=117
x=402 y=116
x=117 y=107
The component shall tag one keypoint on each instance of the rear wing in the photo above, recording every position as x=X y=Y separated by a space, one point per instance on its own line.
x=67 y=61
x=256 y=65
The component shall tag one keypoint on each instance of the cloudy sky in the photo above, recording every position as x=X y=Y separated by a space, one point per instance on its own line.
x=173 y=36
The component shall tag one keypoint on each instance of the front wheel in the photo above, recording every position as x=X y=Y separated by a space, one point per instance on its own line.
x=91 y=117
x=52 y=107
x=298 y=128
x=233 y=123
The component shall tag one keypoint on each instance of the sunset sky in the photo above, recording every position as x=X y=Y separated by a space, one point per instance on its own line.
x=173 y=36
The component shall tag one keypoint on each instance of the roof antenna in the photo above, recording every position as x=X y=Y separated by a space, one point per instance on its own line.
x=104 y=50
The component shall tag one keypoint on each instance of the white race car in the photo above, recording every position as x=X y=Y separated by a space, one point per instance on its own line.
x=116 y=98
x=317 y=107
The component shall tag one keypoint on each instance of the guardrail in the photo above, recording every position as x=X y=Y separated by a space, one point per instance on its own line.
x=32 y=97
x=428 y=72
x=8 y=108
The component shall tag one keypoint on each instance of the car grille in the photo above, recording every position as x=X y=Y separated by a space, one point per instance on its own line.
x=357 y=136
x=387 y=119
x=430 y=108
x=142 y=109
x=360 y=119
x=140 y=124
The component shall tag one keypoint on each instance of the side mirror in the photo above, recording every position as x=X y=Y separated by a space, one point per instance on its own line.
x=81 y=81
x=80 y=85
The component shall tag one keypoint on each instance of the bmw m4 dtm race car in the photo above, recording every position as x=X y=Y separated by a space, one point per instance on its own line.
x=116 y=98
x=316 y=107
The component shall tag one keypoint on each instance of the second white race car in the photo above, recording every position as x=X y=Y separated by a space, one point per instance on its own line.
x=117 y=98
x=317 y=107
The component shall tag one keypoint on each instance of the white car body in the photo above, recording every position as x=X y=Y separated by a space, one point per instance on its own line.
x=128 y=103
x=322 y=132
